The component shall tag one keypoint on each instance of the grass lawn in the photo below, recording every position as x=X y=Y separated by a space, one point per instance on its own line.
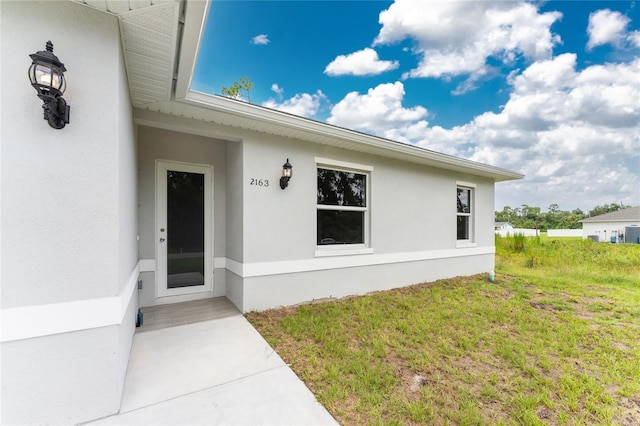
x=554 y=340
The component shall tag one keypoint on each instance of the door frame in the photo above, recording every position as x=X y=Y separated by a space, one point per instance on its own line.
x=162 y=166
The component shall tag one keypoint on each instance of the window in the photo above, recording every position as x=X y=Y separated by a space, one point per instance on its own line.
x=342 y=207
x=464 y=214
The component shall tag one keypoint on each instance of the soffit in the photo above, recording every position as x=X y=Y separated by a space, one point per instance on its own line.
x=149 y=30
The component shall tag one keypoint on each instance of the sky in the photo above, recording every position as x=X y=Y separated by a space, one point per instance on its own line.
x=547 y=89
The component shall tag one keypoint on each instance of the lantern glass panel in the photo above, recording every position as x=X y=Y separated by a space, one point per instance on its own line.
x=48 y=76
x=57 y=80
x=32 y=74
x=43 y=75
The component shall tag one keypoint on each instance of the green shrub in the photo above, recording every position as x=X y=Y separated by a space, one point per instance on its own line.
x=519 y=243
x=512 y=243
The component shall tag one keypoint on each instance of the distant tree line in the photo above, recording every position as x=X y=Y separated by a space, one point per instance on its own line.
x=532 y=218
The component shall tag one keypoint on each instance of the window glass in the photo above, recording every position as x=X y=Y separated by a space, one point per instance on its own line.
x=464 y=200
x=340 y=227
x=464 y=213
x=339 y=188
x=463 y=227
x=185 y=229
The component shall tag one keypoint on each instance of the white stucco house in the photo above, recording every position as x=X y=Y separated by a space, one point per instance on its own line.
x=504 y=226
x=611 y=225
x=154 y=194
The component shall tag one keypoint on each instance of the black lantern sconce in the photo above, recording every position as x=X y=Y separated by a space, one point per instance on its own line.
x=286 y=174
x=47 y=77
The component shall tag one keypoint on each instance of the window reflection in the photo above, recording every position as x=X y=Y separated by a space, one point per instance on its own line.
x=338 y=188
x=464 y=200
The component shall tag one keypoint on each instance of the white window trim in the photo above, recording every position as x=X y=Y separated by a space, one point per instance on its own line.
x=337 y=164
x=471 y=215
x=466 y=184
x=347 y=249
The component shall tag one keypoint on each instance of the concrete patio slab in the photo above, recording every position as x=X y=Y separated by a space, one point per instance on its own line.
x=219 y=371
x=179 y=360
x=273 y=397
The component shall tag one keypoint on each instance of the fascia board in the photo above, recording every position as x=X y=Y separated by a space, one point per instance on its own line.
x=195 y=20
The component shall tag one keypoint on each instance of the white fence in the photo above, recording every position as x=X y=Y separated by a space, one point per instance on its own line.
x=521 y=231
x=564 y=233
x=536 y=232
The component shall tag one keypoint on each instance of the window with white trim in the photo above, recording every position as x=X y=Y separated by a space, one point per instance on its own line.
x=464 y=214
x=342 y=207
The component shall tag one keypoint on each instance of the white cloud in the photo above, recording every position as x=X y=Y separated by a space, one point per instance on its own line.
x=277 y=90
x=606 y=27
x=458 y=37
x=634 y=38
x=260 y=39
x=302 y=104
x=379 y=111
x=362 y=62
x=573 y=133
x=543 y=76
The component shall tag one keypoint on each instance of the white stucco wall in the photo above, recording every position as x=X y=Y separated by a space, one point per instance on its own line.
x=127 y=182
x=604 y=230
x=235 y=199
x=412 y=207
x=60 y=191
x=58 y=366
x=69 y=225
x=269 y=291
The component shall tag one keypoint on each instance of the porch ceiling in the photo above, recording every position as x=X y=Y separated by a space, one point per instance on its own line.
x=149 y=31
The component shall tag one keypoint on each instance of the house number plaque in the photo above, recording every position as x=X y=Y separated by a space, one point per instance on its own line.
x=259 y=182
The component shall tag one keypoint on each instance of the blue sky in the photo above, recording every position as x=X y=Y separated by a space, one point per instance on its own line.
x=548 y=89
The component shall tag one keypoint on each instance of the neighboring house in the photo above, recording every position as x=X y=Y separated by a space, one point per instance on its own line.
x=611 y=225
x=157 y=194
x=503 y=226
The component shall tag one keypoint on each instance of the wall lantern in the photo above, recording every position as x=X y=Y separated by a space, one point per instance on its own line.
x=47 y=77
x=286 y=174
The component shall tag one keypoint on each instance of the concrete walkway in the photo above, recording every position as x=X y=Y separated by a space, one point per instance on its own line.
x=215 y=372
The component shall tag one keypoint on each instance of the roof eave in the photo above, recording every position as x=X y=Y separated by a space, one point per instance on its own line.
x=252 y=116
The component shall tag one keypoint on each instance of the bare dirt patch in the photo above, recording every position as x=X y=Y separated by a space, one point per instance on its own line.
x=631 y=412
x=620 y=346
x=544 y=306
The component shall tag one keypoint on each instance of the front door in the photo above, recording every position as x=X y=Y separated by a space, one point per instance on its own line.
x=184 y=228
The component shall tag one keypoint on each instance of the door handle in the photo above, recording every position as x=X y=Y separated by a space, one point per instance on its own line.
x=162 y=239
